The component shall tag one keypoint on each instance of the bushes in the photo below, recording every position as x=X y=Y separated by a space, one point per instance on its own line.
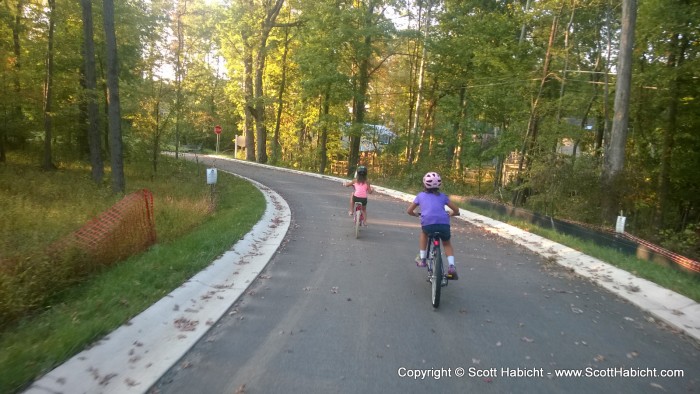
x=26 y=284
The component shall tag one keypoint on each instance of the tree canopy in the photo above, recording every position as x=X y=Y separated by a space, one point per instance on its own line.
x=512 y=100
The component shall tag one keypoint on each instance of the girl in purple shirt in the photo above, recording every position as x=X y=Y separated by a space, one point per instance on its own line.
x=434 y=218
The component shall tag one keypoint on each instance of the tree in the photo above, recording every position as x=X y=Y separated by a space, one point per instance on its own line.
x=260 y=101
x=114 y=108
x=14 y=21
x=93 y=130
x=371 y=34
x=615 y=157
x=324 y=76
x=180 y=11
x=533 y=121
x=280 y=99
x=252 y=22
x=419 y=89
x=664 y=115
x=47 y=163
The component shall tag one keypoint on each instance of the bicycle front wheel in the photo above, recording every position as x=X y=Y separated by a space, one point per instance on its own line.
x=436 y=282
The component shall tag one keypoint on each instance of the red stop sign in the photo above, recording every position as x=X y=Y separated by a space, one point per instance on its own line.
x=217 y=129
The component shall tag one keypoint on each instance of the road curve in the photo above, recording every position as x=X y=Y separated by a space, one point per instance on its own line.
x=331 y=313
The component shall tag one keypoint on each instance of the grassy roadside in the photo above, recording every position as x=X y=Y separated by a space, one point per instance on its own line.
x=670 y=278
x=189 y=242
x=667 y=277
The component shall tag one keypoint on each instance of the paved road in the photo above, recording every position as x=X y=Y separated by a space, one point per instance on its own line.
x=334 y=314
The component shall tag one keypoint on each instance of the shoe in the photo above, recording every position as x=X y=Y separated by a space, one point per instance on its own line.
x=420 y=262
x=350 y=213
x=452 y=273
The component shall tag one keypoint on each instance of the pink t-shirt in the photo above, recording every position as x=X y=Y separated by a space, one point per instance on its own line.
x=361 y=190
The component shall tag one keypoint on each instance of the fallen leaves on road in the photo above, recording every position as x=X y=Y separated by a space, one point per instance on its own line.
x=184 y=324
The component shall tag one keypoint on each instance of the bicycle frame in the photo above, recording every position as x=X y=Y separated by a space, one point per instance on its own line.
x=436 y=268
x=358 y=217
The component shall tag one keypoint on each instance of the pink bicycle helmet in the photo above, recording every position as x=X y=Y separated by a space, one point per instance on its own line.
x=432 y=180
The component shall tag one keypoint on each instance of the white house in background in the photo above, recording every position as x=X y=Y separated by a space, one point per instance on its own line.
x=374 y=137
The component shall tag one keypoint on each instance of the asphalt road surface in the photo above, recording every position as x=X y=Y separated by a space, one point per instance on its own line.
x=335 y=314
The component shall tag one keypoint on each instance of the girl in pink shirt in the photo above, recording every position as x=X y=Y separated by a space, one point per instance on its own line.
x=362 y=189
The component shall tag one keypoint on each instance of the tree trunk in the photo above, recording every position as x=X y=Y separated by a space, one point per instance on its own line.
x=323 y=149
x=615 y=158
x=455 y=152
x=17 y=115
x=280 y=101
x=260 y=127
x=47 y=163
x=114 y=115
x=675 y=59
x=425 y=143
x=359 y=112
x=604 y=128
x=522 y=30
x=179 y=70
x=249 y=98
x=362 y=86
x=533 y=122
x=419 y=90
x=93 y=131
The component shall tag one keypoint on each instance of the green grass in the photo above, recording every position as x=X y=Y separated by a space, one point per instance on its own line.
x=190 y=238
x=681 y=282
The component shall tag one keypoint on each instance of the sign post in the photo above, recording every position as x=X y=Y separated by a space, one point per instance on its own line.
x=211 y=181
x=217 y=131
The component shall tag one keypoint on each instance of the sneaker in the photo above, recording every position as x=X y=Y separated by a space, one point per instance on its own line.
x=420 y=262
x=350 y=213
x=452 y=273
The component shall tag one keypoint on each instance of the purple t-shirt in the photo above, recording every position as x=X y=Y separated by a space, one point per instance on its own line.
x=432 y=208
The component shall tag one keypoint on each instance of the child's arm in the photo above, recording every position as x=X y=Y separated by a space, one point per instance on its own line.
x=369 y=188
x=454 y=208
x=412 y=209
x=348 y=184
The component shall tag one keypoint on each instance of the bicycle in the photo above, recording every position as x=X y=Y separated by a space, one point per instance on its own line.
x=437 y=275
x=359 y=218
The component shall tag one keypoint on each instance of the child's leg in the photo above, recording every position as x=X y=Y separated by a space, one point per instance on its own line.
x=449 y=251
x=423 y=243
x=351 y=204
x=448 y=248
x=364 y=212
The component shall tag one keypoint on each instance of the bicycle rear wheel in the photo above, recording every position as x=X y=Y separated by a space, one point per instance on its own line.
x=358 y=216
x=436 y=282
